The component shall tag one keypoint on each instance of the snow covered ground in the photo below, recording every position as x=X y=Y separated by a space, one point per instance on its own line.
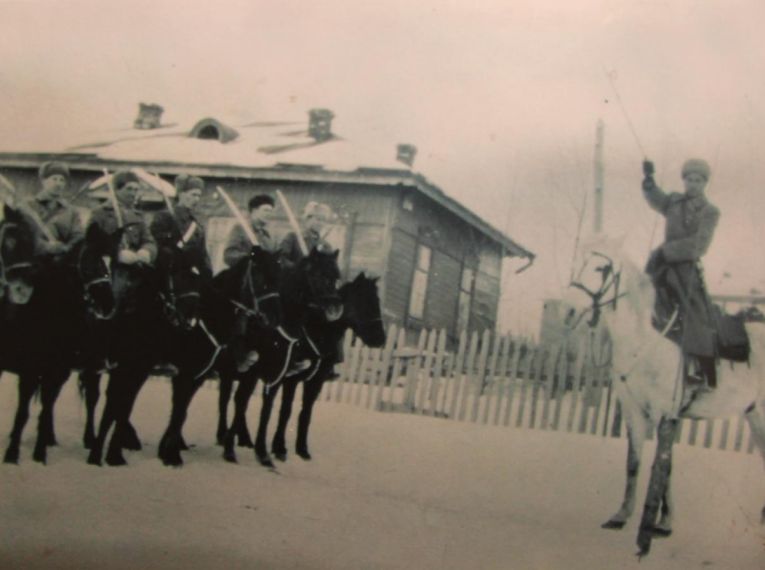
x=383 y=491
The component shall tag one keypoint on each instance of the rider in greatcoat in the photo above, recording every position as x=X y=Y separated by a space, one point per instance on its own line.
x=675 y=267
x=180 y=228
x=49 y=207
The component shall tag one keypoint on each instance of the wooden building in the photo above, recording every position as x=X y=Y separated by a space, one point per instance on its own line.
x=439 y=263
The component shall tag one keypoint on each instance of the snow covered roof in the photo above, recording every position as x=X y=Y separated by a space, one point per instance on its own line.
x=263 y=149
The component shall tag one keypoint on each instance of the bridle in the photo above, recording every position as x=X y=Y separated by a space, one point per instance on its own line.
x=607 y=293
x=170 y=303
x=4 y=267
x=87 y=286
x=248 y=291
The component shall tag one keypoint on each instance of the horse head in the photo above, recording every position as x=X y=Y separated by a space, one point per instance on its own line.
x=179 y=285
x=361 y=310
x=18 y=267
x=92 y=259
x=317 y=277
x=252 y=285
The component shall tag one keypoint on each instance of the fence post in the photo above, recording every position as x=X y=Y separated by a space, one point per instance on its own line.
x=457 y=377
x=465 y=380
x=390 y=342
x=491 y=383
x=478 y=383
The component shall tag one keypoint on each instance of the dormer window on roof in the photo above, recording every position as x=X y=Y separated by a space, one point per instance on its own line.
x=213 y=129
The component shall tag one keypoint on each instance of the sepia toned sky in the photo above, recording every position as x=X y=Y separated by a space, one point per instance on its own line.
x=501 y=98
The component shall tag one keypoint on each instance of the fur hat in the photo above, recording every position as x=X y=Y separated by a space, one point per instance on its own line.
x=317 y=210
x=122 y=178
x=184 y=182
x=259 y=200
x=696 y=166
x=48 y=169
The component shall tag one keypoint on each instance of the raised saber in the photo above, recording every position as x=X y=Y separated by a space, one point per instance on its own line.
x=238 y=215
x=293 y=222
x=113 y=199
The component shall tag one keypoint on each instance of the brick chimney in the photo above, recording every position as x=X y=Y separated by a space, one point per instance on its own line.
x=405 y=153
x=320 y=124
x=149 y=116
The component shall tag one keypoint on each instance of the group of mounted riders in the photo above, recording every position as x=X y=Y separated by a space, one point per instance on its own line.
x=124 y=295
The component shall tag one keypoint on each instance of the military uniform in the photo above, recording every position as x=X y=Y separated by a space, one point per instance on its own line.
x=61 y=220
x=239 y=245
x=172 y=230
x=675 y=267
x=290 y=248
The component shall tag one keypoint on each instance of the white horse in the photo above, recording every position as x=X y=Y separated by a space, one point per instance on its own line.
x=647 y=375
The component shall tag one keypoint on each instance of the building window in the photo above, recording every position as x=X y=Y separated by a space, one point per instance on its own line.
x=465 y=299
x=420 y=283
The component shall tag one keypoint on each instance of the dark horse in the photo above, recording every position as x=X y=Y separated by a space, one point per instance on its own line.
x=154 y=307
x=242 y=304
x=46 y=336
x=361 y=314
x=309 y=292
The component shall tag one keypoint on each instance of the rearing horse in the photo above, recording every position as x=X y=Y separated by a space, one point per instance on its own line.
x=648 y=379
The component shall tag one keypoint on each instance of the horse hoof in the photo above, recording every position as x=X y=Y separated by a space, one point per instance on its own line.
x=170 y=461
x=230 y=457
x=11 y=457
x=40 y=456
x=245 y=441
x=661 y=532
x=115 y=460
x=265 y=461
x=613 y=524
x=94 y=460
x=281 y=455
x=303 y=453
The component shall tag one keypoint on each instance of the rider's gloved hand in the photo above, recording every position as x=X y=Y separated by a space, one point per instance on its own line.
x=144 y=256
x=55 y=248
x=127 y=257
x=648 y=170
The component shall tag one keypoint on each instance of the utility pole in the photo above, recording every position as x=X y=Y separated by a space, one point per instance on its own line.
x=598 y=170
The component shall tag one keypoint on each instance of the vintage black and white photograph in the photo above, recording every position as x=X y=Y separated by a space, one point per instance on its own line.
x=384 y=285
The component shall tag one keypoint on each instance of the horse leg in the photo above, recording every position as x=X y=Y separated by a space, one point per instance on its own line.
x=242 y=400
x=311 y=391
x=636 y=430
x=225 y=385
x=171 y=444
x=240 y=413
x=90 y=381
x=664 y=527
x=662 y=466
x=261 y=449
x=50 y=388
x=114 y=392
x=278 y=444
x=135 y=380
x=28 y=384
x=756 y=419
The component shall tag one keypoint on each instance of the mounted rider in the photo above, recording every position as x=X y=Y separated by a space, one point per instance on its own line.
x=57 y=224
x=178 y=226
x=675 y=266
x=238 y=247
x=315 y=218
x=260 y=208
x=137 y=246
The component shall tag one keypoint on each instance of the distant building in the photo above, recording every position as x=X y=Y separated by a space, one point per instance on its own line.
x=439 y=263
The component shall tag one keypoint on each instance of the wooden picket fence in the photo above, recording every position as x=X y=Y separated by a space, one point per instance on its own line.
x=502 y=381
